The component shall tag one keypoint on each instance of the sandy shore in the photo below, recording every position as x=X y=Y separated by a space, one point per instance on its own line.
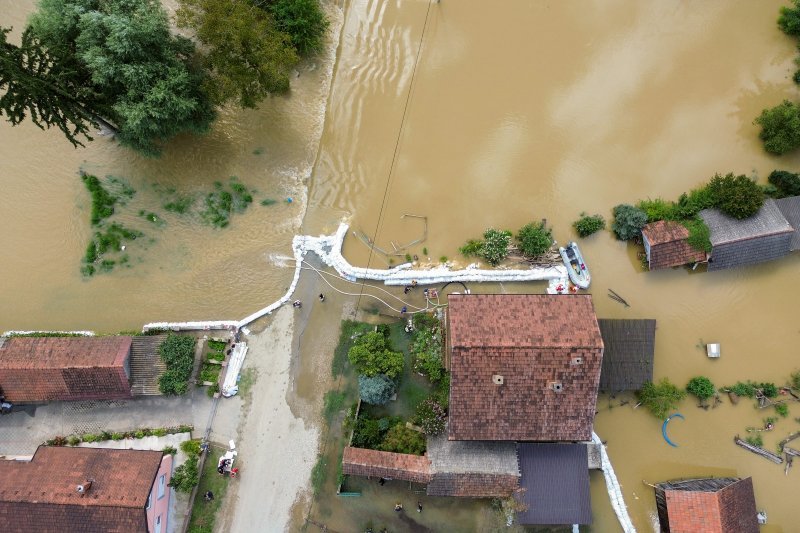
x=277 y=449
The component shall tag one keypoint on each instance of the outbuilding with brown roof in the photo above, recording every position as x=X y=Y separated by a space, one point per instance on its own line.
x=42 y=369
x=708 y=505
x=524 y=367
x=43 y=495
x=666 y=245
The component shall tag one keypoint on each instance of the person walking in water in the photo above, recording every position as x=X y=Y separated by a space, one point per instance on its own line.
x=398 y=507
x=297 y=304
x=321 y=297
x=419 y=507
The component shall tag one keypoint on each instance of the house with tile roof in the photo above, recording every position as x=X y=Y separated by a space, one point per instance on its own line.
x=707 y=505
x=666 y=245
x=91 y=490
x=43 y=369
x=523 y=367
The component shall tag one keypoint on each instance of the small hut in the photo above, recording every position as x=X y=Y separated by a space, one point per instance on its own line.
x=707 y=505
x=666 y=245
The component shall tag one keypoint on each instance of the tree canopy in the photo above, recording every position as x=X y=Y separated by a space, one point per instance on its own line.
x=370 y=356
x=303 y=21
x=247 y=57
x=780 y=127
x=789 y=19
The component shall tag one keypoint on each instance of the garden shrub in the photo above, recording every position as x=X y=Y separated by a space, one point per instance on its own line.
x=369 y=432
x=660 y=398
x=191 y=447
x=770 y=191
x=495 y=246
x=589 y=224
x=689 y=205
x=169 y=450
x=370 y=356
x=173 y=382
x=431 y=417
x=376 y=390
x=426 y=347
x=534 y=239
x=442 y=393
x=401 y=439
x=425 y=321
x=185 y=476
x=628 y=221
x=787 y=183
x=658 y=209
x=177 y=352
x=702 y=387
x=736 y=196
x=73 y=440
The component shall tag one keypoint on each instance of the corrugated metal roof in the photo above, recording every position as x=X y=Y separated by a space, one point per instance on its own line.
x=724 y=229
x=790 y=208
x=628 y=355
x=556 y=482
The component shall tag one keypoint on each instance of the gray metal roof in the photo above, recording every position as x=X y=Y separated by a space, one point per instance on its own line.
x=790 y=208
x=628 y=353
x=724 y=229
x=486 y=457
x=556 y=482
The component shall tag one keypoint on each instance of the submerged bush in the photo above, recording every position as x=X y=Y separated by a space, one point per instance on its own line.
x=702 y=387
x=780 y=127
x=787 y=183
x=660 y=398
x=658 y=209
x=789 y=19
x=534 y=239
x=628 y=221
x=304 y=22
x=589 y=224
x=102 y=201
x=495 y=245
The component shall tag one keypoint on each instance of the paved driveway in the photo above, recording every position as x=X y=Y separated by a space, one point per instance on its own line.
x=25 y=429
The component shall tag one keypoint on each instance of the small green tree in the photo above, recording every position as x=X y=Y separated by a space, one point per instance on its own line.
x=185 y=476
x=787 y=183
x=401 y=439
x=431 y=417
x=534 y=239
x=789 y=19
x=370 y=356
x=589 y=224
x=780 y=127
x=304 y=22
x=628 y=221
x=702 y=387
x=495 y=245
x=737 y=196
x=376 y=390
x=660 y=398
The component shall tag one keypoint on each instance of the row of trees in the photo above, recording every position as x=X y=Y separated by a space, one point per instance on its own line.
x=83 y=64
x=532 y=240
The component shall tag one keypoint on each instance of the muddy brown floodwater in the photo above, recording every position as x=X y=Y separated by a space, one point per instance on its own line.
x=517 y=112
x=535 y=110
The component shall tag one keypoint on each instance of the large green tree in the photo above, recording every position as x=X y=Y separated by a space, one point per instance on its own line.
x=780 y=127
x=247 y=57
x=141 y=78
x=303 y=20
x=41 y=86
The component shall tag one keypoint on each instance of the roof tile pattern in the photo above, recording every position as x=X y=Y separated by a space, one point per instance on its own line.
x=725 y=229
x=40 y=369
x=668 y=245
x=375 y=463
x=708 y=508
x=628 y=352
x=536 y=343
x=790 y=208
x=40 y=495
x=473 y=485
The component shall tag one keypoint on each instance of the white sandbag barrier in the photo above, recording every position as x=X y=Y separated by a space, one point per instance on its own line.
x=329 y=249
x=614 y=488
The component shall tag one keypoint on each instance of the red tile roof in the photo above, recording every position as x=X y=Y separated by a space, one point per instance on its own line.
x=665 y=231
x=668 y=245
x=536 y=343
x=41 y=495
x=39 y=369
x=375 y=463
x=728 y=509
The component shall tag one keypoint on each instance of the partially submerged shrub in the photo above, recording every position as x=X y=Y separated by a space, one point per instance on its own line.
x=782 y=409
x=780 y=127
x=628 y=221
x=787 y=183
x=534 y=239
x=495 y=246
x=660 y=398
x=748 y=389
x=589 y=224
x=702 y=387
x=699 y=234
x=658 y=209
x=370 y=356
x=754 y=440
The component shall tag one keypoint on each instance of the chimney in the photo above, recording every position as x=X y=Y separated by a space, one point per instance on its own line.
x=83 y=488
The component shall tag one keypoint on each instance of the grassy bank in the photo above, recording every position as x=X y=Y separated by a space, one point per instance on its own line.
x=204 y=513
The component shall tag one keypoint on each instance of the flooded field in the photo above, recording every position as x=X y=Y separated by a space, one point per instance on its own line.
x=472 y=116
